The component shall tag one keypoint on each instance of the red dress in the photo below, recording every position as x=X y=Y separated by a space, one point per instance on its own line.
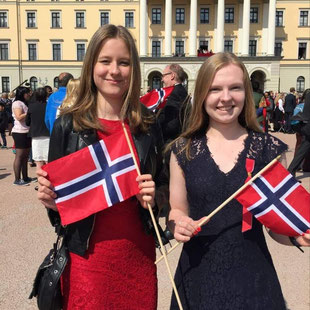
x=118 y=270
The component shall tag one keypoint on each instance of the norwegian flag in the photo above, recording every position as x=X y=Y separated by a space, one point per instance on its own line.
x=157 y=98
x=94 y=178
x=278 y=201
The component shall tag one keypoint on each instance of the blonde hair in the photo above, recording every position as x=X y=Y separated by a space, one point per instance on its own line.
x=279 y=96
x=199 y=119
x=84 y=110
x=72 y=91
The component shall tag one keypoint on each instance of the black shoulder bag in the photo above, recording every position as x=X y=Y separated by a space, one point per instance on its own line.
x=46 y=286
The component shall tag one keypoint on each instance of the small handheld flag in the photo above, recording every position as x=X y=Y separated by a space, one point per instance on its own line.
x=278 y=201
x=157 y=98
x=93 y=179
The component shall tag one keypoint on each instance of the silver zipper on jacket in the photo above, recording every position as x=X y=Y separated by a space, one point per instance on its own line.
x=87 y=243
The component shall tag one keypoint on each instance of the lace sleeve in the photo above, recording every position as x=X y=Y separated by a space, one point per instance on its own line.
x=273 y=148
x=178 y=149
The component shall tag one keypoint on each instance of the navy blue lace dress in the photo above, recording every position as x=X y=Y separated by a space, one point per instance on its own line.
x=223 y=268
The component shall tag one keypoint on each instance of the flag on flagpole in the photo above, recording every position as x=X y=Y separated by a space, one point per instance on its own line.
x=278 y=201
x=93 y=178
x=157 y=98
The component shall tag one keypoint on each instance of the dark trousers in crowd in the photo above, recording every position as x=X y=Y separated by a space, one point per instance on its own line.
x=288 y=117
x=3 y=137
x=300 y=155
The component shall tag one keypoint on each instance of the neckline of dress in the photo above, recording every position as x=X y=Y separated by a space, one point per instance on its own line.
x=246 y=142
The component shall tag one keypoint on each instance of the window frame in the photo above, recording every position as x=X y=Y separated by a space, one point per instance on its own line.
x=232 y=45
x=5 y=19
x=3 y=89
x=83 y=19
x=156 y=55
x=35 y=49
x=256 y=14
x=35 y=19
x=129 y=19
x=100 y=17
x=299 y=83
x=279 y=18
x=175 y=46
x=60 y=20
x=229 y=21
x=251 y=48
x=303 y=24
x=7 y=49
x=77 y=50
x=156 y=14
x=60 y=51
x=276 y=48
x=306 y=52
x=205 y=21
x=179 y=12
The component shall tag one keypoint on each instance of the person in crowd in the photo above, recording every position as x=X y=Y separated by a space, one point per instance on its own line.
x=56 y=99
x=8 y=109
x=289 y=106
x=111 y=263
x=3 y=125
x=20 y=136
x=278 y=112
x=269 y=109
x=48 y=90
x=258 y=98
x=38 y=130
x=304 y=147
x=171 y=117
x=71 y=95
x=220 y=267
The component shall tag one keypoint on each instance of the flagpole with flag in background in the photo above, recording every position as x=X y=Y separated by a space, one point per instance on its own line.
x=303 y=222
x=155 y=224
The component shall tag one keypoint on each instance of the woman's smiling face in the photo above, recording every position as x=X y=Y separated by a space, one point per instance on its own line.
x=225 y=99
x=112 y=70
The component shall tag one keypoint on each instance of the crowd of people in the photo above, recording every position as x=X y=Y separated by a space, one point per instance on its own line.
x=112 y=252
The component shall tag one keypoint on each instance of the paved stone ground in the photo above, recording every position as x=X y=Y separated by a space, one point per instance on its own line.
x=26 y=237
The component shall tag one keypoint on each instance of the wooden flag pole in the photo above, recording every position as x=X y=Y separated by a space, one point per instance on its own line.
x=154 y=223
x=226 y=202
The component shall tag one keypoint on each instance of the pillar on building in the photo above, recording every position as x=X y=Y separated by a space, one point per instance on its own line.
x=143 y=28
x=245 y=28
x=220 y=26
x=193 y=29
x=265 y=29
x=168 y=27
x=271 y=27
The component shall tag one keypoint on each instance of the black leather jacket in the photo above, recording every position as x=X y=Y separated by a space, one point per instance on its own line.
x=65 y=141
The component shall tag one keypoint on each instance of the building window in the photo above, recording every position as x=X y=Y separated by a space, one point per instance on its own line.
x=179 y=48
x=80 y=51
x=180 y=16
x=155 y=48
x=129 y=20
x=4 y=51
x=80 y=19
x=228 y=46
x=279 y=18
x=32 y=51
x=278 y=49
x=303 y=18
x=252 y=47
x=300 y=86
x=302 y=50
x=229 y=15
x=104 y=18
x=56 y=51
x=31 y=20
x=3 y=19
x=156 y=16
x=56 y=84
x=5 y=82
x=204 y=16
x=204 y=45
x=55 y=19
x=254 y=15
x=33 y=83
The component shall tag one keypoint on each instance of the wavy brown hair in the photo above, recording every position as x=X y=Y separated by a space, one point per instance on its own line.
x=199 y=119
x=84 y=110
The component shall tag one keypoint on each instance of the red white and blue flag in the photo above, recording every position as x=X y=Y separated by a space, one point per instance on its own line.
x=94 y=178
x=157 y=98
x=278 y=201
